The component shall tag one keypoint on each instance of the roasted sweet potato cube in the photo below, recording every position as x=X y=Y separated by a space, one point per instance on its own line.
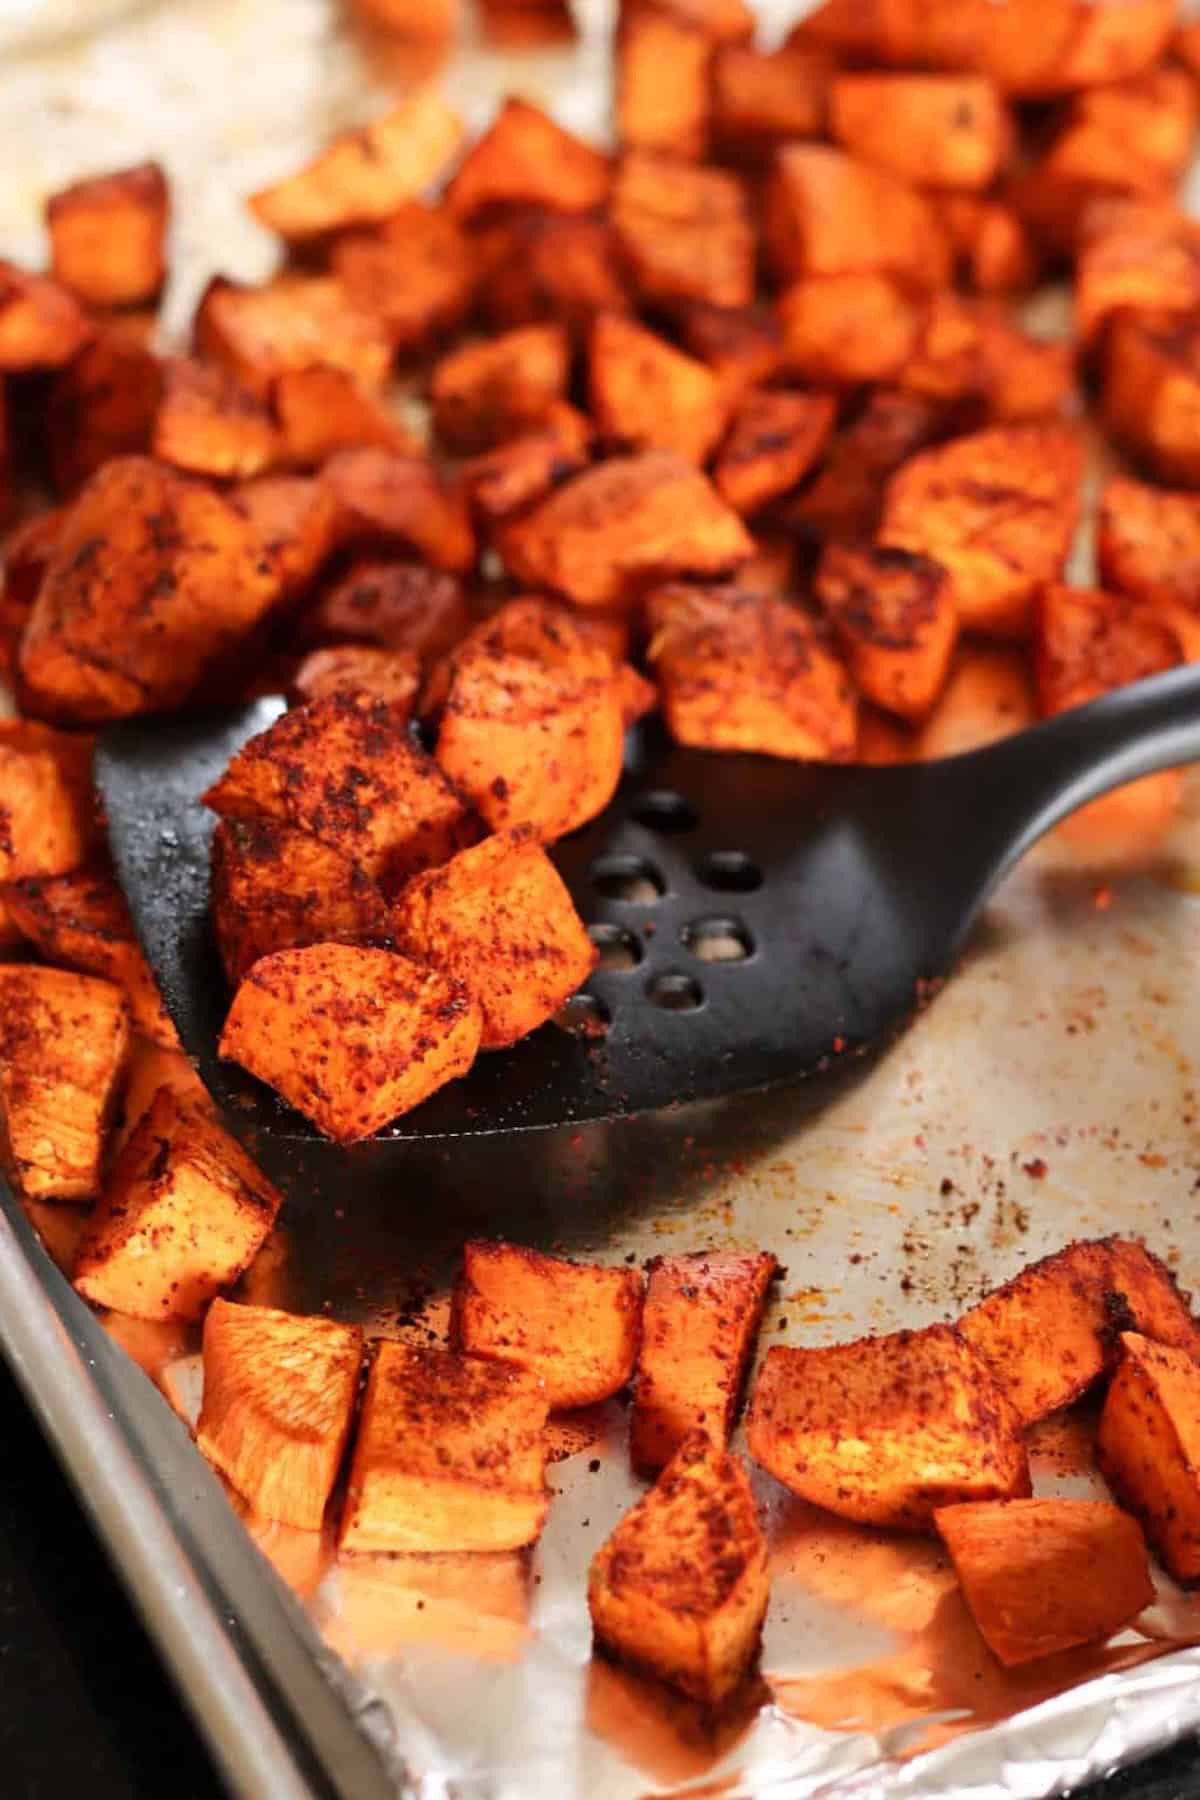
x=575 y=1325
x=662 y=84
x=106 y=236
x=941 y=131
x=685 y=233
x=547 y=632
x=292 y=322
x=294 y=523
x=699 y=1326
x=1041 y=1576
x=1145 y=258
x=151 y=1066
x=1185 y=45
x=828 y=213
x=48 y=823
x=421 y=22
x=491 y=390
x=610 y=531
x=277 y=888
x=847 y=329
x=364 y=175
x=345 y=771
x=845 y=498
x=991 y=246
x=886 y=1430
x=740 y=344
x=42 y=326
x=26 y=551
x=740 y=670
x=396 y=605
x=647 y=395
x=1134 y=136
x=153 y=578
x=103 y=404
x=680 y=1589
x=80 y=921
x=526 y=159
x=516 y=473
x=988 y=696
x=390 y=496
x=546 y=265
x=279 y=1394
x=392 y=676
x=1022 y=377
x=182 y=1213
x=1148 y=544
x=499 y=918
x=208 y=424
x=895 y=621
x=1087 y=642
x=416 y=274
x=998 y=510
x=1149 y=1447
x=762 y=99
x=351 y=1036
x=721 y=21
x=64 y=1040
x=320 y=411
x=1150 y=391
x=450 y=1455
x=776 y=437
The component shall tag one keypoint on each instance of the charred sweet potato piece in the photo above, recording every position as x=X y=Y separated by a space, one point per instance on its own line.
x=277 y=888
x=106 y=236
x=662 y=84
x=746 y=671
x=609 y=531
x=364 y=175
x=545 y=265
x=845 y=499
x=320 y=411
x=208 y=424
x=942 y=131
x=101 y=405
x=1148 y=544
x=828 y=213
x=351 y=1036
x=152 y=1066
x=547 y=632
x=762 y=99
x=80 y=921
x=680 y=1588
x=1146 y=259
x=699 y=1326
x=516 y=473
x=279 y=1394
x=499 y=918
x=294 y=523
x=64 y=1040
x=847 y=329
x=886 y=1430
x=740 y=344
x=48 y=822
x=450 y=1455
x=42 y=326
x=1150 y=391
x=491 y=390
x=293 y=322
x=1149 y=1447
x=775 y=438
x=26 y=551
x=416 y=274
x=396 y=605
x=574 y=1325
x=647 y=395
x=345 y=771
x=1041 y=1576
x=390 y=496
x=392 y=676
x=152 y=579
x=685 y=233
x=895 y=621
x=182 y=1213
x=998 y=510
x=1022 y=377
x=526 y=159
x=991 y=247
x=1133 y=136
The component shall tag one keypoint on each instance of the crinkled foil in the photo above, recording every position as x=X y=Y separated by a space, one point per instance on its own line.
x=1050 y=1092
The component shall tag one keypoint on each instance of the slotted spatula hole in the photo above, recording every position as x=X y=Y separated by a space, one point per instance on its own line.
x=662 y=809
x=718 y=940
x=583 y=1016
x=619 y=949
x=730 y=872
x=627 y=878
x=675 y=992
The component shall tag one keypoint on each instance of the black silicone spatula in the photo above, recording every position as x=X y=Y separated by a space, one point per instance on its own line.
x=756 y=918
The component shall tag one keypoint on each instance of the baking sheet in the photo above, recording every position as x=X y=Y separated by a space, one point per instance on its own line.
x=1051 y=1092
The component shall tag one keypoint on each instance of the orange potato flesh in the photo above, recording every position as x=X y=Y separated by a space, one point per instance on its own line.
x=182 y=1213
x=389 y=496
x=992 y=248
x=395 y=605
x=102 y=404
x=647 y=395
x=64 y=1041
x=1150 y=392
x=847 y=328
x=720 y=21
x=989 y=695
x=392 y=676
x=1134 y=136
x=1149 y=1447
x=294 y=523
x=680 y=1588
x=548 y=632
x=574 y=1325
x=106 y=236
x=896 y=623
x=26 y=551
x=845 y=499
x=774 y=440
x=499 y=918
x=352 y=1037
x=943 y=131
x=1146 y=258
x=48 y=822
x=42 y=326
x=662 y=98
x=1148 y=544
x=537 y=265
x=740 y=344
x=887 y=1430
x=209 y=425
x=1041 y=1576
x=450 y=1455
x=515 y=474
x=279 y=1394
x=320 y=411
x=295 y=321
x=416 y=274
x=684 y=232
x=151 y=1067
x=526 y=159
x=761 y=100
x=488 y=391
x=699 y=1326
x=828 y=213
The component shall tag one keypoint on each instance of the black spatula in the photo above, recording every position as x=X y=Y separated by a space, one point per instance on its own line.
x=756 y=918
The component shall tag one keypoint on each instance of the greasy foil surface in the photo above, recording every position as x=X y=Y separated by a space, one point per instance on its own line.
x=1050 y=1092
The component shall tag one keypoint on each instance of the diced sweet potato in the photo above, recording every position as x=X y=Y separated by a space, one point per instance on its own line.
x=516 y=473
x=1022 y=377
x=1052 y=1330
x=828 y=213
x=545 y=265
x=499 y=918
x=699 y=1326
x=292 y=322
x=762 y=99
x=845 y=499
x=80 y=920
x=42 y=326
x=450 y=1455
x=847 y=328
x=1087 y=642
x=320 y=411
x=575 y=1325
x=345 y=771
x=277 y=888
x=64 y=1040
x=1133 y=136
x=895 y=620
x=991 y=247
x=208 y=424
x=546 y=632
x=887 y=1429
x=740 y=344
x=746 y=671
x=998 y=510
x=150 y=1067
x=294 y=523
x=392 y=676
x=26 y=551
x=720 y=21
x=1150 y=391
x=882 y=740
x=988 y=696
x=684 y=232
x=416 y=274
x=48 y=823
x=101 y=405
x=1146 y=259
x=182 y=1213
x=942 y=131
x=152 y=579
x=1148 y=544
x=397 y=605
x=1149 y=1447
x=279 y=1394
x=387 y=495
x=364 y=175
x=775 y=438
x=491 y=390
x=680 y=1588
x=106 y=236
x=611 y=530
x=1041 y=1576
x=662 y=84
x=351 y=1036
x=526 y=159
x=422 y=22
x=647 y=395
